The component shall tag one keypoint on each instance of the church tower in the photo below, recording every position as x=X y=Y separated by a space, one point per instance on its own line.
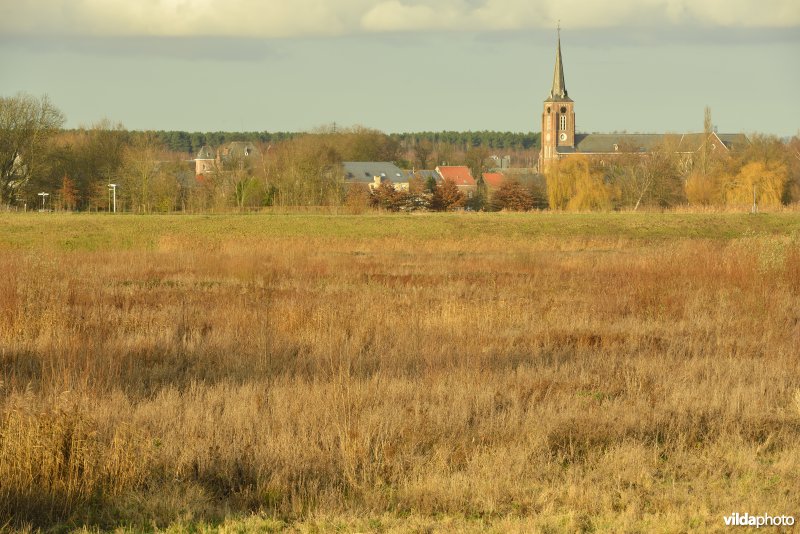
x=558 y=118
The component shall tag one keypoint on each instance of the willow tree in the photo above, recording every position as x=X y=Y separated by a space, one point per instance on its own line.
x=575 y=184
x=560 y=183
x=759 y=182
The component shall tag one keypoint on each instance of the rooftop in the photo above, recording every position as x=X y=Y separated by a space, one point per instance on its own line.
x=459 y=174
x=622 y=142
x=493 y=179
x=366 y=171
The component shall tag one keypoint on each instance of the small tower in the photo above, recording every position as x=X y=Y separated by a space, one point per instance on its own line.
x=204 y=161
x=558 y=117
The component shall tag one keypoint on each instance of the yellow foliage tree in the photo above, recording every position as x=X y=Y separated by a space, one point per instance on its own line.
x=573 y=185
x=766 y=180
x=705 y=189
x=560 y=184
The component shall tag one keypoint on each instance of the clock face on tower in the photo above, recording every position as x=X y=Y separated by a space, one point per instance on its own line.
x=563 y=136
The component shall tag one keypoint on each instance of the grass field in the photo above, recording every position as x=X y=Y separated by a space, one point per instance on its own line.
x=432 y=372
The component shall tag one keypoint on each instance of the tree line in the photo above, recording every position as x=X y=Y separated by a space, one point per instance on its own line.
x=44 y=165
x=192 y=142
x=153 y=170
x=485 y=138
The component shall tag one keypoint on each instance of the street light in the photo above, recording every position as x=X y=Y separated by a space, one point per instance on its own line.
x=44 y=198
x=113 y=188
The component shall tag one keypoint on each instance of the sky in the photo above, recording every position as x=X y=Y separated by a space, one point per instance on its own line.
x=406 y=65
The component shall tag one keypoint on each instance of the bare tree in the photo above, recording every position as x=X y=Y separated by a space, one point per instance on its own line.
x=422 y=153
x=26 y=123
x=792 y=193
x=659 y=181
x=67 y=194
x=475 y=158
x=651 y=178
x=88 y=156
x=147 y=179
x=237 y=173
x=305 y=171
x=708 y=129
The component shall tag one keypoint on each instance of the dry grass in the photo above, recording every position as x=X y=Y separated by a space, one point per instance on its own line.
x=324 y=380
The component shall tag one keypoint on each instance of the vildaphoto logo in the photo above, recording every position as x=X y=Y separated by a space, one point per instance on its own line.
x=758 y=521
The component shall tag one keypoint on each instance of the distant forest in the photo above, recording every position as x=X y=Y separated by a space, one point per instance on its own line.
x=191 y=142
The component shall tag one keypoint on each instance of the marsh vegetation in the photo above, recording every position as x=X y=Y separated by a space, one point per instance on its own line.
x=545 y=372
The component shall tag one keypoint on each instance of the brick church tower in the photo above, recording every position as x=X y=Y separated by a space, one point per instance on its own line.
x=558 y=118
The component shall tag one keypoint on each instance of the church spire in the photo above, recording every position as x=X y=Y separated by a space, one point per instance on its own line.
x=559 y=90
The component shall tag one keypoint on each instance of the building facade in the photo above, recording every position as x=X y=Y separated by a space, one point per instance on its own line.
x=207 y=161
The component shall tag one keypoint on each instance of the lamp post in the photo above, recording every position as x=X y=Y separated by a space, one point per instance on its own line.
x=113 y=188
x=44 y=198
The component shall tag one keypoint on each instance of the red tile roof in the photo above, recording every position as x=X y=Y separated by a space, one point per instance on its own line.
x=493 y=179
x=457 y=173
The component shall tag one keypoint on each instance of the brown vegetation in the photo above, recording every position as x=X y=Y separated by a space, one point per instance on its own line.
x=577 y=382
x=512 y=196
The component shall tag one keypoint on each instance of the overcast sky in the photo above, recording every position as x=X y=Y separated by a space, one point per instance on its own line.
x=406 y=65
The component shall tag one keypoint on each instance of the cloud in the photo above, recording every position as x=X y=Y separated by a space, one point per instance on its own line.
x=288 y=18
x=396 y=16
x=192 y=48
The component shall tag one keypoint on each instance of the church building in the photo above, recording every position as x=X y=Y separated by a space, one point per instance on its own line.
x=559 y=138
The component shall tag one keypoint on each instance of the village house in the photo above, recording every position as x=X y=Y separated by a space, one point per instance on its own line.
x=501 y=163
x=374 y=173
x=459 y=175
x=209 y=160
x=493 y=180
